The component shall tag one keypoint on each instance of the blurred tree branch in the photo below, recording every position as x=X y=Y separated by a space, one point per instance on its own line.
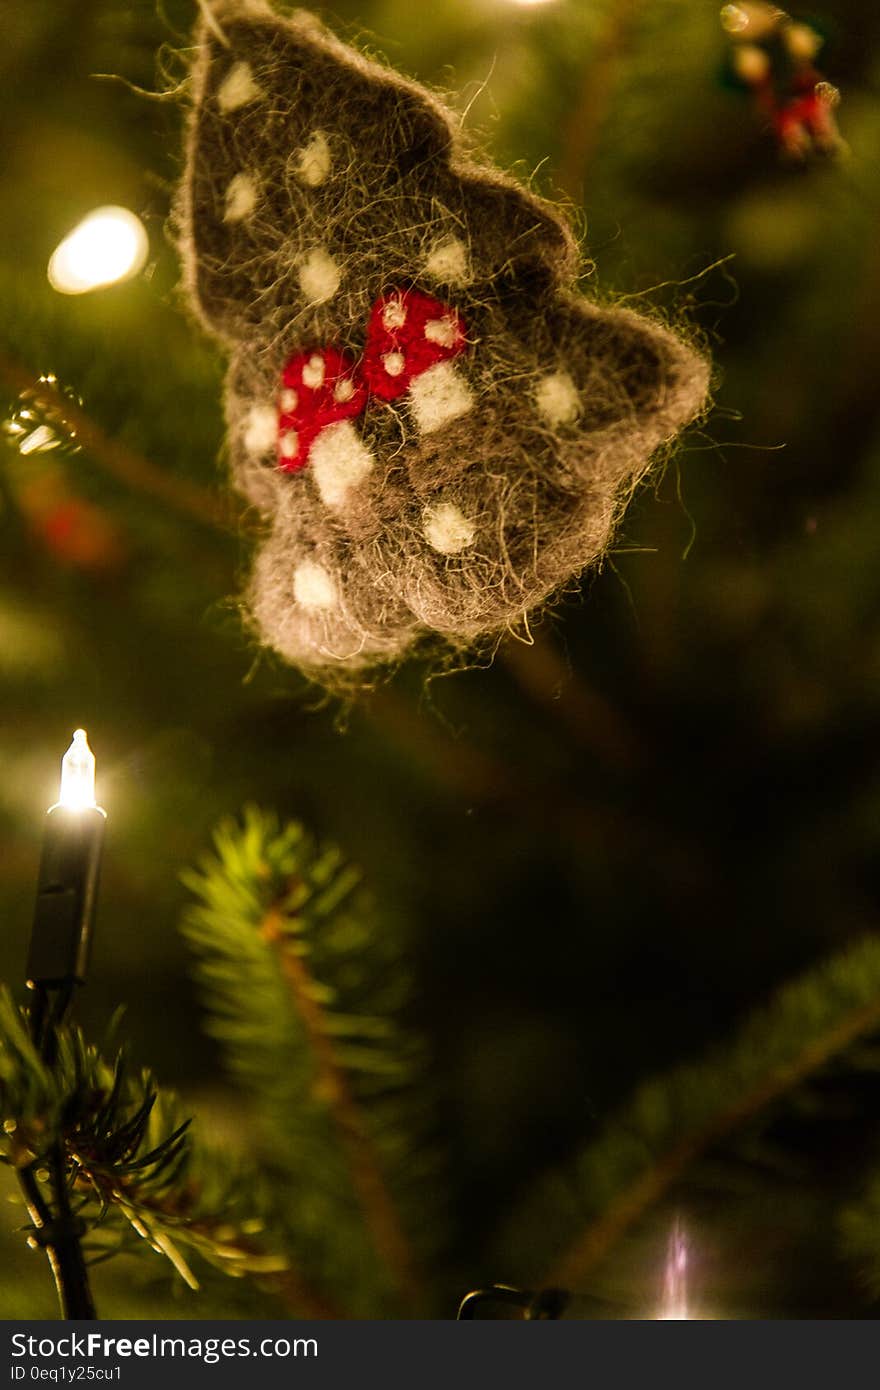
x=580 y=140
x=120 y=460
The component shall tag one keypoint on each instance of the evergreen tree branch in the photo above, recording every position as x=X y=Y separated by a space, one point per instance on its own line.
x=542 y=673
x=331 y=1083
x=860 y=1235
x=599 y=1238
x=601 y=74
x=304 y=987
x=230 y=1245
x=127 y=1167
x=674 y=1121
x=119 y=460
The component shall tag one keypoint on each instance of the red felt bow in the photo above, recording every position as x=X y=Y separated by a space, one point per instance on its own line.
x=407 y=333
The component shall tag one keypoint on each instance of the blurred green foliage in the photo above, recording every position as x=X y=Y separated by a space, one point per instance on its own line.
x=611 y=844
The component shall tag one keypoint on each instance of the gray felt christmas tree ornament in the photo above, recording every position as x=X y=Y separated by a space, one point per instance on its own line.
x=437 y=429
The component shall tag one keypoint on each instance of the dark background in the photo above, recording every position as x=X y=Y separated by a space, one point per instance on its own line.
x=611 y=844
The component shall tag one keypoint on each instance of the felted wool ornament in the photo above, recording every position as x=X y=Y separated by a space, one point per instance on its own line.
x=438 y=431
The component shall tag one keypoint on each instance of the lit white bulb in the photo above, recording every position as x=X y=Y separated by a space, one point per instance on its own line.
x=78 y=774
x=109 y=245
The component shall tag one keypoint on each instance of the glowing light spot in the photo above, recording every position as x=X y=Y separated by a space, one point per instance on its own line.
x=751 y=62
x=39 y=441
x=109 y=245
x=734 y=20
x=78 y=774
x=828 y=93
x=675 y=1292
x=802 y=41
x=39 y=423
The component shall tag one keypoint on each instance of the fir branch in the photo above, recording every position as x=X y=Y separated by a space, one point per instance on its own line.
x=676 y=1120
x=129 y=1165
x=600 y=78
x=186 y=1212
x=548 y=679
x=860 y=1235
x=119 y=460
x=304 y=990
x=331 y=1083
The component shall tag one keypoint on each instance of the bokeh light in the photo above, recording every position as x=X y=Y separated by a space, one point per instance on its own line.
x=109 y=245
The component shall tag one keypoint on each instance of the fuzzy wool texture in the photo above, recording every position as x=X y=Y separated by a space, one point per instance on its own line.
x=318 y=182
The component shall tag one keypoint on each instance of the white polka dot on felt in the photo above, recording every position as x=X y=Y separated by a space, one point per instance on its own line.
x=313 y=161
x=319 y=276
x=394 y=314
x=438 y=396
x=447 y=529
x=260 y=429
x=288 y=445
x=237 y=88
x=440 y=331
x=240 y=198
x=449 y=262
x=343 y=390
x=338 y=460
x=394 y=363
x=313 y=586
x=557 y=399
x=289 y=399
x=313 y=372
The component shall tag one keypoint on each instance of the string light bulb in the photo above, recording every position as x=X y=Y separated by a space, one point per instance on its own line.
x=67 y=885
x=78 y=774
x=109 y=245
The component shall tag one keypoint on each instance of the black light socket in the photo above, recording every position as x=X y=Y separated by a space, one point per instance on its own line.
x=67 y=891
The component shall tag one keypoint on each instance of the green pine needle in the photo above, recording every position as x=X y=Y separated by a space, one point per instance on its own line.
x=305 y=990
x=136 y=1176
x=576 y=1217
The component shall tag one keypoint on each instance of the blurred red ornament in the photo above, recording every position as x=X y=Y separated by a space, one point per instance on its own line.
x=806 y=123
x=773 y=57
x=73 y=530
